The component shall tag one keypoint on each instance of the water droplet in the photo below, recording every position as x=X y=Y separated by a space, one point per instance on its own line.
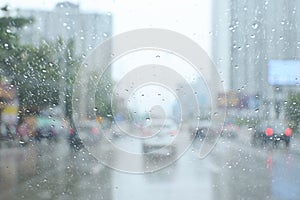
x=105 y=34
x=157 y=56
x=255 y=26
x=252 y=36
x=95 y=109
x=256 y=110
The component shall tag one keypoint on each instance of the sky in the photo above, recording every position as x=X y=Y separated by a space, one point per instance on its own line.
x=189 y=17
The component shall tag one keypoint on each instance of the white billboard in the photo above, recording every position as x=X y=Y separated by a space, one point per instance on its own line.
x=284 y=72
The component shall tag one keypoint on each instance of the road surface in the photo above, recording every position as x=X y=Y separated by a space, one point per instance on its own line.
x=233 y=170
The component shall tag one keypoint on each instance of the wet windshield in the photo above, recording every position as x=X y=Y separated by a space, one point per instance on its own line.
x=112 y=99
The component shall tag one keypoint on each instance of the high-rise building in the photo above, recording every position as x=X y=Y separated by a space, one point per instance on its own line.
x=247 y=36
x=67 y=21
x=221 y=39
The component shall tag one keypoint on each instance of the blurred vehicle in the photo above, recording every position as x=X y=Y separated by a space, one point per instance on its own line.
x=52 y=128
x=272 y=133
x=159 y=138
x=230 y=130
x=201 y=130
x=89 y=131
x=115 y=130
x=27 y=129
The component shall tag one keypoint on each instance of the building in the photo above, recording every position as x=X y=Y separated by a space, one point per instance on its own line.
x=66 y=21
x=221 y=39
x=247 y=36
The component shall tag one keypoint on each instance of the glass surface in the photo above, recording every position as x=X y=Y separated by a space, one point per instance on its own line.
x=112 y=99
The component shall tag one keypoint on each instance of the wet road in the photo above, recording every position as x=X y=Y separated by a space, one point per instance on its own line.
x=233 y=170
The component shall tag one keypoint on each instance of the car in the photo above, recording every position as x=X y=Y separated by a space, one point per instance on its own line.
x=158 y=138
x=201 y=130
x=230 y=130
x=52 y=128
x=272 y=133
x=89 y=131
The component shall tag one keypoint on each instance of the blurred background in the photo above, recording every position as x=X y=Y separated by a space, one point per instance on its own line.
x=46 y=154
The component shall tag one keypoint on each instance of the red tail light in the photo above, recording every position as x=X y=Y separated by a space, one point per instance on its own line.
x=172 y=133
x=269 y=132
x=95 y=130
x=71 y=130
x=288 y=132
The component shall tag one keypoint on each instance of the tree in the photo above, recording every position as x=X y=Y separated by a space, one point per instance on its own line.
x=69 y=63
x=103 y=95
x=37 y=77
x=10 y=48
x=33 y=69
x=292 y=110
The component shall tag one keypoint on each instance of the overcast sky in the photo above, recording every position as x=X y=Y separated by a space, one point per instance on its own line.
x=189 y=17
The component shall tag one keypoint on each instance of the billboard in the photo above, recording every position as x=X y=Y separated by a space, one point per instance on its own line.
x=234 y=100
x=284 y=72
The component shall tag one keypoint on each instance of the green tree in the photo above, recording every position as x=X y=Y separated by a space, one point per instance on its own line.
x=103 y=95
x=37 y=77
x=10 y=48
x=292 y=110
x=70 y=64
x=33 y=69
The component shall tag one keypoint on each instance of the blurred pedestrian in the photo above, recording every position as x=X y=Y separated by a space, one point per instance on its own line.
x=27 y=129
